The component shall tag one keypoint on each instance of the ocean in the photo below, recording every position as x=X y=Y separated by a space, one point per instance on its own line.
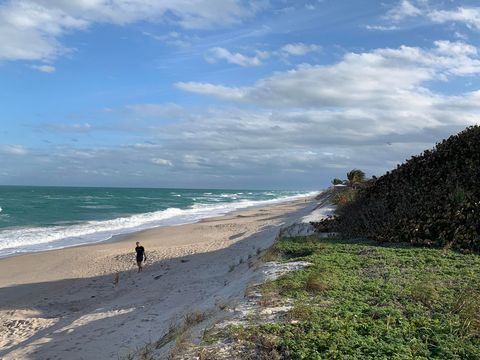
x=36 y=218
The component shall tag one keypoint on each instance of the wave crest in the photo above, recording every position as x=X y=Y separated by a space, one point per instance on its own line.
x=27 y=239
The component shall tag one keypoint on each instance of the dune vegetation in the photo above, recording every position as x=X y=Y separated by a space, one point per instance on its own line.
x=363 y=300
x=432 y=199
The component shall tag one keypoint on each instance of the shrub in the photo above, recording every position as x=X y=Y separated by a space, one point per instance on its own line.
x=344 y=197
x=432 y=199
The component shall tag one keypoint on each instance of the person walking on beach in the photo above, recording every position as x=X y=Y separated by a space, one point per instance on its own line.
x=141 y=256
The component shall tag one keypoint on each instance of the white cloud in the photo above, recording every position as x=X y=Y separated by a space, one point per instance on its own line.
x=457 y=48
x=261 y=146
x=460 y=36
x=218 y=53
x=232 y=141
x=445 y=59
x=294 y=49
x=382 y=27
x=162 y=162
x=298 y=49
x=383 y=77
x=29 y=31
x=213 y=90
x=75 y=128
x=13 y=149
x=402 y=10
x=44 y=68
x=32 y=29
x=366 y=103
x=470 y=16
x=173 y=38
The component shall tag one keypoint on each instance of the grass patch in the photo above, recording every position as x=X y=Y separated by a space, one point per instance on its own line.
x=176 y=333
x=296 y=248
x=366 y=301
x=316 y=283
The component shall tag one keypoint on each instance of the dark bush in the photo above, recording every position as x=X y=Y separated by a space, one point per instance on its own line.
x=432 y=199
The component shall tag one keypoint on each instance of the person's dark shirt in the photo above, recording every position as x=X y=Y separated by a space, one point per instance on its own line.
x=140 y=253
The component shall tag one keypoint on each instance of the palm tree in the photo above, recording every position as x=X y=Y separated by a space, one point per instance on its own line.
x=355 y=176
x=337 y=181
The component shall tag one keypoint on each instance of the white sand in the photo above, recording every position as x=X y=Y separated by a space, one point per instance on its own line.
x=320 y=213
x=62 y=304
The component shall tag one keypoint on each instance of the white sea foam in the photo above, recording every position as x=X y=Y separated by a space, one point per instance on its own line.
x=27 y=239
x=97 y=206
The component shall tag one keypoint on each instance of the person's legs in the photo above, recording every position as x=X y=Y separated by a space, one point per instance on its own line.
x=139 y=264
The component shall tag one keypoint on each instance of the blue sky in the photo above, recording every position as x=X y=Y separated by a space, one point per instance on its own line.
x=229 y=94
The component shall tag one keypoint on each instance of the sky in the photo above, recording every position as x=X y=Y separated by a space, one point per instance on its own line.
x=260 y=94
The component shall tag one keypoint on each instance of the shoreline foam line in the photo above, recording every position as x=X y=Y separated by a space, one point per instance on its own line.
x=33 y=239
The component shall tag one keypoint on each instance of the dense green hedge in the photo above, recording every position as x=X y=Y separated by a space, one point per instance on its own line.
x=432 y=199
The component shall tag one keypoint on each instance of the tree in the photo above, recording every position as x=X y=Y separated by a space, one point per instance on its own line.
x=337 y=181
x=355 y=176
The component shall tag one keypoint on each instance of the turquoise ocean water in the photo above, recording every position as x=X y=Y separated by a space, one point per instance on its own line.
x=41 y=218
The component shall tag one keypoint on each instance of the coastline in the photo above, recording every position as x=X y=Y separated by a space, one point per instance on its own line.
x=131 y=225
x=51 y=299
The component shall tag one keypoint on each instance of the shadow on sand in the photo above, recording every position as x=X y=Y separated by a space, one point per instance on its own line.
x=89 y=318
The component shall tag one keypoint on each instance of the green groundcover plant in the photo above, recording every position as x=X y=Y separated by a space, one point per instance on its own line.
x=361 y=300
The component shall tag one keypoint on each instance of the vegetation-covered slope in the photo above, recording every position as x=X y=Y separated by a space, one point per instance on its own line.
x=432 y=199
x=360 y=300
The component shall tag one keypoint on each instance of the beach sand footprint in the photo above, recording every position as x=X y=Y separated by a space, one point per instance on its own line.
x=22 y=326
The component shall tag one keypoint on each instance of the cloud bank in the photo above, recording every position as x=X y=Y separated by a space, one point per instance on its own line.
x=368 y=110
x=33 y=29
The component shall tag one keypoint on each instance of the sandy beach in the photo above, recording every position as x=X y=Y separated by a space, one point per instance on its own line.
x=63 y=304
